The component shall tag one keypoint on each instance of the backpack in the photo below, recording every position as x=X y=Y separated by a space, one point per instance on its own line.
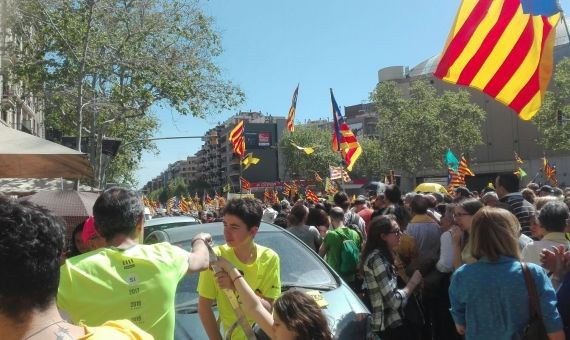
x=349 y=255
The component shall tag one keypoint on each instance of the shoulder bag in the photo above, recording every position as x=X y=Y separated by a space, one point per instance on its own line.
x=535 y=329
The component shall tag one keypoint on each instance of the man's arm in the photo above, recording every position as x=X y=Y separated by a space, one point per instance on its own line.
x=199 y=257
x=208 y=319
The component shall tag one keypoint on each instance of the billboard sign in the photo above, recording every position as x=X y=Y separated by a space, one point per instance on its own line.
x=264 y=139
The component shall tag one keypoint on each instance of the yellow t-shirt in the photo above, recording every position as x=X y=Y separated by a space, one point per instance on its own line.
x=116 y=330
x=138 y=284
x=263 y=276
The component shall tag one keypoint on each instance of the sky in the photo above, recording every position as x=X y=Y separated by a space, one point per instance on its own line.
x=271 y=46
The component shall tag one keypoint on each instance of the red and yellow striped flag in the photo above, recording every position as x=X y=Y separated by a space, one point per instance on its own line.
x=503 y=48
x=292 y=109
x=463 y=169
x=245 y=185
x=237 y=139
x=311 y=196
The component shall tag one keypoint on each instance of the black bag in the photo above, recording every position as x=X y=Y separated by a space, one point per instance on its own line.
x=412 y=313
x=535 y=329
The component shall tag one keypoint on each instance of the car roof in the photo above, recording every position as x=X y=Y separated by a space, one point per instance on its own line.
x=180 y=234
x=169 y=220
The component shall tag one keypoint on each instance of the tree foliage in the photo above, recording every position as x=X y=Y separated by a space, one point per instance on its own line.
x=553 y=119
x=415 y=130
x=370 y=164
x=102 y=66
x=298 y=164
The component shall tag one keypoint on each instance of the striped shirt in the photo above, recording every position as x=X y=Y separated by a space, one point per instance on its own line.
x=521 y=208
x=387 y=300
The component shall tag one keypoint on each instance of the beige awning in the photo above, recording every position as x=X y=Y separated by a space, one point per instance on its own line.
x=26 y=156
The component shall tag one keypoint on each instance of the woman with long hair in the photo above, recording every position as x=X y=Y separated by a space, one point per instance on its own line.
x=382 y=280
x=295 y=314
x=489 y=298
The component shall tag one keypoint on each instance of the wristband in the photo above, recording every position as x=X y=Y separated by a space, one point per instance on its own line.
x=235 y=278
x=196 y=239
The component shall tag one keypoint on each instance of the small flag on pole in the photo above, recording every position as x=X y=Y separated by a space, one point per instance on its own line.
x=464 y=168
x=249 y=160
x=518 y=159
x=311 y=196
x=237 y=139
x=245 y=185
x=344 y=139
x=307 y=150
x=292 y=109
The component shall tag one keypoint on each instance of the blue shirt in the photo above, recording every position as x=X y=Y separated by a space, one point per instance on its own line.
x=490 y=299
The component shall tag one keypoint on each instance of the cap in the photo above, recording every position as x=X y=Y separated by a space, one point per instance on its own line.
x=360 y=200
x=89 y=229
x=546 y=188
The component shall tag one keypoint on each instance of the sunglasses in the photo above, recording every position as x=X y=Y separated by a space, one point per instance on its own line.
x=395 y=231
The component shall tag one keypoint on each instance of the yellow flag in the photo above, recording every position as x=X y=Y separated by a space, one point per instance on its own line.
x=307 y=150
x=249 y=160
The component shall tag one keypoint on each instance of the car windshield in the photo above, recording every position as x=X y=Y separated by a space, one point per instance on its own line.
x=300 y=267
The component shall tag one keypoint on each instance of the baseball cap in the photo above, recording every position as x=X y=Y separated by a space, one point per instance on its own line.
x=360 y=200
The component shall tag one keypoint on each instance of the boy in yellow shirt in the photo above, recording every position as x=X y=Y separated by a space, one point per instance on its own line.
x=258 y=265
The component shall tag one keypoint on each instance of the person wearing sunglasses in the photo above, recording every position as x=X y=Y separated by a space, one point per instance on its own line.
x=380 y=274
x=463 y=217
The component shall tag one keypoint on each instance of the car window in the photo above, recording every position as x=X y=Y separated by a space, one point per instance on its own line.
x=299 y=266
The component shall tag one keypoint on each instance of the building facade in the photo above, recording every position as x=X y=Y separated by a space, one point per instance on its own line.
x=19 y=109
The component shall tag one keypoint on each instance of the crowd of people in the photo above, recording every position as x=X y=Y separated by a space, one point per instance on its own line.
x=489 y=265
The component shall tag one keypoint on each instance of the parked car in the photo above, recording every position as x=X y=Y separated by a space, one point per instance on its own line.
x=162 y=223
x=301 y=268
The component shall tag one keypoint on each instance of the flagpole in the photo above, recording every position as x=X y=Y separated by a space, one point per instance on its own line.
x=240 y=174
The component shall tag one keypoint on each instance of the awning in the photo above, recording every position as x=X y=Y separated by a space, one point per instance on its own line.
x=26 y=156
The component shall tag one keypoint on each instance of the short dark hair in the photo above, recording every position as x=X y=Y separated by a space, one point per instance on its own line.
x=509 y=181
x=32 y=241
x=336 y=214
x=554 y=216
x=117 y=211
x=297 y=214
x=341 y=199
x=249 y=210
x=317 y=217
x=392 y=193
x=419 y=205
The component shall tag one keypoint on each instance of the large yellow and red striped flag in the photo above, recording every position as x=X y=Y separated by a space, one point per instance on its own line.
x=344 y=139
x=292 y=109
x=237 y=139
x=503 y=48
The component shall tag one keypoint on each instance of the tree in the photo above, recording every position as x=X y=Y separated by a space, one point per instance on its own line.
x=370 y=163
x=552 y=119
x=300 y=165
x=103 y=65
x=416 y=130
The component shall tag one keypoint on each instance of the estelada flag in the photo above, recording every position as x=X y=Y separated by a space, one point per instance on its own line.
x=343 y=139
x=503 y=48
x=292 y=109
x=237 y=139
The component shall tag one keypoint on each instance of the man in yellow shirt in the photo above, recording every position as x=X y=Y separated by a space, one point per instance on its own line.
x=127 y=280
x=258 y=265
x=32 y=241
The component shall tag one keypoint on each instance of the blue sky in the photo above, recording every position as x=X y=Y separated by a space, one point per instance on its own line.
x=270 y=46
